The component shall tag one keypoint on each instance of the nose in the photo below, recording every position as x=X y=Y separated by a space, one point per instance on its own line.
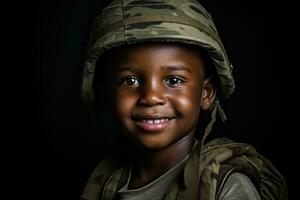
x=152 y=94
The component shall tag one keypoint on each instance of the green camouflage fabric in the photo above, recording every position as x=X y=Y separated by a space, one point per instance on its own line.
x=126 y=22
x=203 y=176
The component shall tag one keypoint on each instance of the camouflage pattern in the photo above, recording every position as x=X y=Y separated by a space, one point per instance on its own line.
x=202 y=177
x=126 y=22
x=132 y=21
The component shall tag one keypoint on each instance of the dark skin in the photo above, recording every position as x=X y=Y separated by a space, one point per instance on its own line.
x=158 y=91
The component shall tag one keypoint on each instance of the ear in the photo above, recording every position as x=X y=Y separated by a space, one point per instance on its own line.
x=208 y=94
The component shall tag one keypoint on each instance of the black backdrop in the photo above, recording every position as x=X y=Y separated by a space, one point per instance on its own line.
x=72 y=139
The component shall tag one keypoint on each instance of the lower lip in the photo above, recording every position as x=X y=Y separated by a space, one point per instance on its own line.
x=152 y=127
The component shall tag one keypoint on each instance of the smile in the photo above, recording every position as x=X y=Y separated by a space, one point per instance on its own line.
x=152 y=125
x=155 y=121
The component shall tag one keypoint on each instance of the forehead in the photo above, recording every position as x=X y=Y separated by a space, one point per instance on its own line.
x=149 y=54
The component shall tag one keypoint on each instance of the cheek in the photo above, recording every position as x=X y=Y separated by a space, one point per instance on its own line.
x=123 y=102
x=188 y=104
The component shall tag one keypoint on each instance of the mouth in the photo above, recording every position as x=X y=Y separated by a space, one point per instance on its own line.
x=152 y=123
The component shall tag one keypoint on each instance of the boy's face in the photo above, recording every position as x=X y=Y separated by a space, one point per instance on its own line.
x=157 y=92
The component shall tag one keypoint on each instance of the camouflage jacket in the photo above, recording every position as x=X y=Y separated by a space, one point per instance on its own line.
x=202 y=177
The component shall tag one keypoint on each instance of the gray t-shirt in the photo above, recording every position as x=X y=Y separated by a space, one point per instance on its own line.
x=238 y=186
x=154 y=190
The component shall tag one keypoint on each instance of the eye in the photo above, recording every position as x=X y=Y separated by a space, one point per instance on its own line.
x=130 y=81
x=174 y=80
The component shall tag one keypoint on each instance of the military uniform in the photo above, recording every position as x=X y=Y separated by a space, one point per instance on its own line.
x=126 y=22
x=202 y=177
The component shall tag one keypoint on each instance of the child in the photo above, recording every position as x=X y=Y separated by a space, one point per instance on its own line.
x=160 y=64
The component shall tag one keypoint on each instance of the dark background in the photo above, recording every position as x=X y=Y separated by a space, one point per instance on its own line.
x=72 y=139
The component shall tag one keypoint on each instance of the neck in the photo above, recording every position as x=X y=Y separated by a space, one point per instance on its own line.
x=150 y=164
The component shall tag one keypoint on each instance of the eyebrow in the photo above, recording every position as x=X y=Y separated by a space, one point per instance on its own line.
x=125 y=68
x=165 y=68
x=175 y=67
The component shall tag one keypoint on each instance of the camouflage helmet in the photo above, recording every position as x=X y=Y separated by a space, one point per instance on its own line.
x=132 y=21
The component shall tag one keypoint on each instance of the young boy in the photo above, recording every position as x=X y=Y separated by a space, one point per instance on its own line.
x=159 y=65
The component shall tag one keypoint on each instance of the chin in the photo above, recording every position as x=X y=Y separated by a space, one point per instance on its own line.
x=153 y=143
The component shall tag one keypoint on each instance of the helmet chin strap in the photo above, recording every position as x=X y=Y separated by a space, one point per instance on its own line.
x=215 y=107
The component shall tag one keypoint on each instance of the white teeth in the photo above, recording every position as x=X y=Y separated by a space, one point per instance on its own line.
x=156 y=121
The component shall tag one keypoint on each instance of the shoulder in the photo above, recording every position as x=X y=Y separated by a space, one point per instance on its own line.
x=238 y=186
x=110 y=170
x=244 y=158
